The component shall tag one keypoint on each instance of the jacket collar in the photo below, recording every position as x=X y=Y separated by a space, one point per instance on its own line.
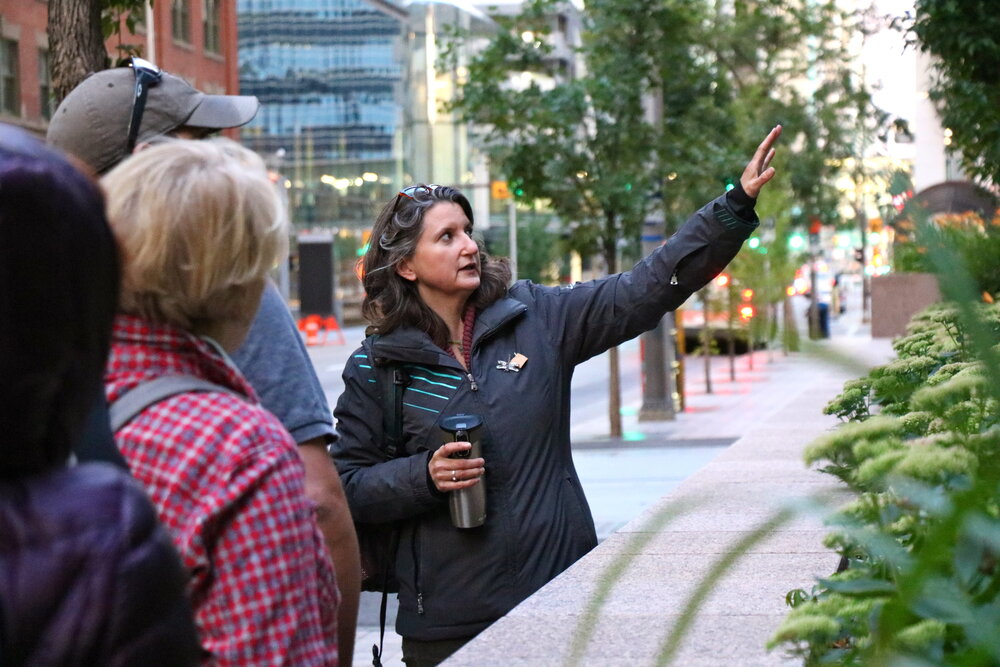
x=143 y=350
x=414 y=346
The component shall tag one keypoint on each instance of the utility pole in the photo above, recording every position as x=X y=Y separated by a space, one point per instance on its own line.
x=657 y=402
x=814 y=323
x=512 y=236
x=659 y=355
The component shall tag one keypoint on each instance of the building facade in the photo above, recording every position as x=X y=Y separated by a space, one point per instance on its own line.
x=328 y=74
x=194 y=39
x=25 y=91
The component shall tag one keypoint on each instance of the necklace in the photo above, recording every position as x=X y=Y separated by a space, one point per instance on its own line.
x=456 y=342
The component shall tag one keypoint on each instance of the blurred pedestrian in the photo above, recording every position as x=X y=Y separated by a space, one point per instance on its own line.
x=200 y=227
x=102 y=121
x=87 y=574
x=446 y=318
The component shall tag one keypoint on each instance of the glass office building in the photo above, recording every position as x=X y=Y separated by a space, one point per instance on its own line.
x=329 y=76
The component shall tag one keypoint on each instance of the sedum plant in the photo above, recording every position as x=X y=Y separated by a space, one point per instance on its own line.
x=919 y=582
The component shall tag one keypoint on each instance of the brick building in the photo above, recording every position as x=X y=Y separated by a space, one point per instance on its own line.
x=194 y=39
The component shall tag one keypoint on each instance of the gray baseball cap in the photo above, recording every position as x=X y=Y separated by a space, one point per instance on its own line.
x=92 y=121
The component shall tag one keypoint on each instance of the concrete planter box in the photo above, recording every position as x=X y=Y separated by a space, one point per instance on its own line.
x=897 y=297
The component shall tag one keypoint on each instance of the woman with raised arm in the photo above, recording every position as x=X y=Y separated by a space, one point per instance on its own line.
x=502 y=357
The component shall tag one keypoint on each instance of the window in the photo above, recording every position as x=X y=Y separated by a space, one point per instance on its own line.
x=180 y=19
x=211 y=11
x=9 y=99
x=45 y=85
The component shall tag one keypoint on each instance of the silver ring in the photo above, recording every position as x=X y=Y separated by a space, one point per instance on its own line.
x=454 y=478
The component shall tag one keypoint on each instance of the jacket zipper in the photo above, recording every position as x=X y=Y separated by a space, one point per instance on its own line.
x=416 y=570
x=486 y=335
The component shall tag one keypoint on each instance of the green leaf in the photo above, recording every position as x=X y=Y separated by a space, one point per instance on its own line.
x=864 y=586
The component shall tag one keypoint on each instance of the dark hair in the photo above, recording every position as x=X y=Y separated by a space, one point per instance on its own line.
x=392 y=301
x=59 y=279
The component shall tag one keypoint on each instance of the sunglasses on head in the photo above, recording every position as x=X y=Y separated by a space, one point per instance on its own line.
x=408 y=192
x=147 y=75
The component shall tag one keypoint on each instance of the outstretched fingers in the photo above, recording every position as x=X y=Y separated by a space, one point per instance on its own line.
x=759 y=170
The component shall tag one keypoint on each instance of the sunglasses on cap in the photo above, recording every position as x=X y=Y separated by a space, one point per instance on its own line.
x=408 y=192
x=147 y=75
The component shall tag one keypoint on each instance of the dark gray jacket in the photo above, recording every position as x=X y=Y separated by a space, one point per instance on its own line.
x=454 y=583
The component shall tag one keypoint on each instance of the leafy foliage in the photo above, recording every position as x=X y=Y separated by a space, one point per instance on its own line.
x=671 y=99
x=919 y=448
x=119 y=17
x=669 y=102
x=964 y=38
x=974 y=240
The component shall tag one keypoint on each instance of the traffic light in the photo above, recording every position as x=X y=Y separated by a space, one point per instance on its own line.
x=722 y=280
x=730 y=184
x=516 y=185
x=746 y=310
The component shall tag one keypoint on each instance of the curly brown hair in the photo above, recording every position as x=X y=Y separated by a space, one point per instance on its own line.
x=392 y=301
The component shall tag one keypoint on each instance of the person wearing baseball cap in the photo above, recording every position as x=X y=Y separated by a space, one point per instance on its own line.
x=110 y=112
x=107 y=117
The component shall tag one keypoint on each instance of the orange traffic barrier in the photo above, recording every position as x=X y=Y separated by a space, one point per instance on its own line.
x=317 y=330
x=310 y=326
x=332 y=326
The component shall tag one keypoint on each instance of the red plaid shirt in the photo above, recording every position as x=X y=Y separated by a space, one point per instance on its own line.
x=228 y=484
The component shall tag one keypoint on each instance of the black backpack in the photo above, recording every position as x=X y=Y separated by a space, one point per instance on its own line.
x=378 y=542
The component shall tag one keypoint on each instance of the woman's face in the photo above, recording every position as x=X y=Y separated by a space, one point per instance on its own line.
x=445 y=263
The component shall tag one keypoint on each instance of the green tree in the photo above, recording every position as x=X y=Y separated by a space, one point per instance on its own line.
x=964 y=38
x=538 y=248
x=801 y=79
x=583 y=145
x=672 y=97
x=77 y=32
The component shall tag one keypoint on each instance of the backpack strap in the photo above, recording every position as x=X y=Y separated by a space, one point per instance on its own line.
x=390 y=380
x=145 y=394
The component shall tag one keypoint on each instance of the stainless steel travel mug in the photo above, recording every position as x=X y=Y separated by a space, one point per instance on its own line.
x=468 y=506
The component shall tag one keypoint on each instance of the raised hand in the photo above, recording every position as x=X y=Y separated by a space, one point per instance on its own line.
x=758 y=170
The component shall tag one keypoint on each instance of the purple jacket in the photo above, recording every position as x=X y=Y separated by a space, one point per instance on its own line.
x=87 y=574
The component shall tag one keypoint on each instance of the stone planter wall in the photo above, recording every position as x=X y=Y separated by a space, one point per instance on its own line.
x=897 y=297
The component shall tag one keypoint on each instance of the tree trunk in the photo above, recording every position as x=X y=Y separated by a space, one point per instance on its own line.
x=866 y=281
x=790 y=331
x=706 y=343
x=614 y=378
x=614 y=394
x=76 y=43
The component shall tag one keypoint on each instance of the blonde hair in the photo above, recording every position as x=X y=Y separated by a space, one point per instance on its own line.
x=200 y=224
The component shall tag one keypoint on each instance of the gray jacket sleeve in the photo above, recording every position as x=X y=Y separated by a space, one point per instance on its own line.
x=588 y=318
x=274 y=360
x=377 y=489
